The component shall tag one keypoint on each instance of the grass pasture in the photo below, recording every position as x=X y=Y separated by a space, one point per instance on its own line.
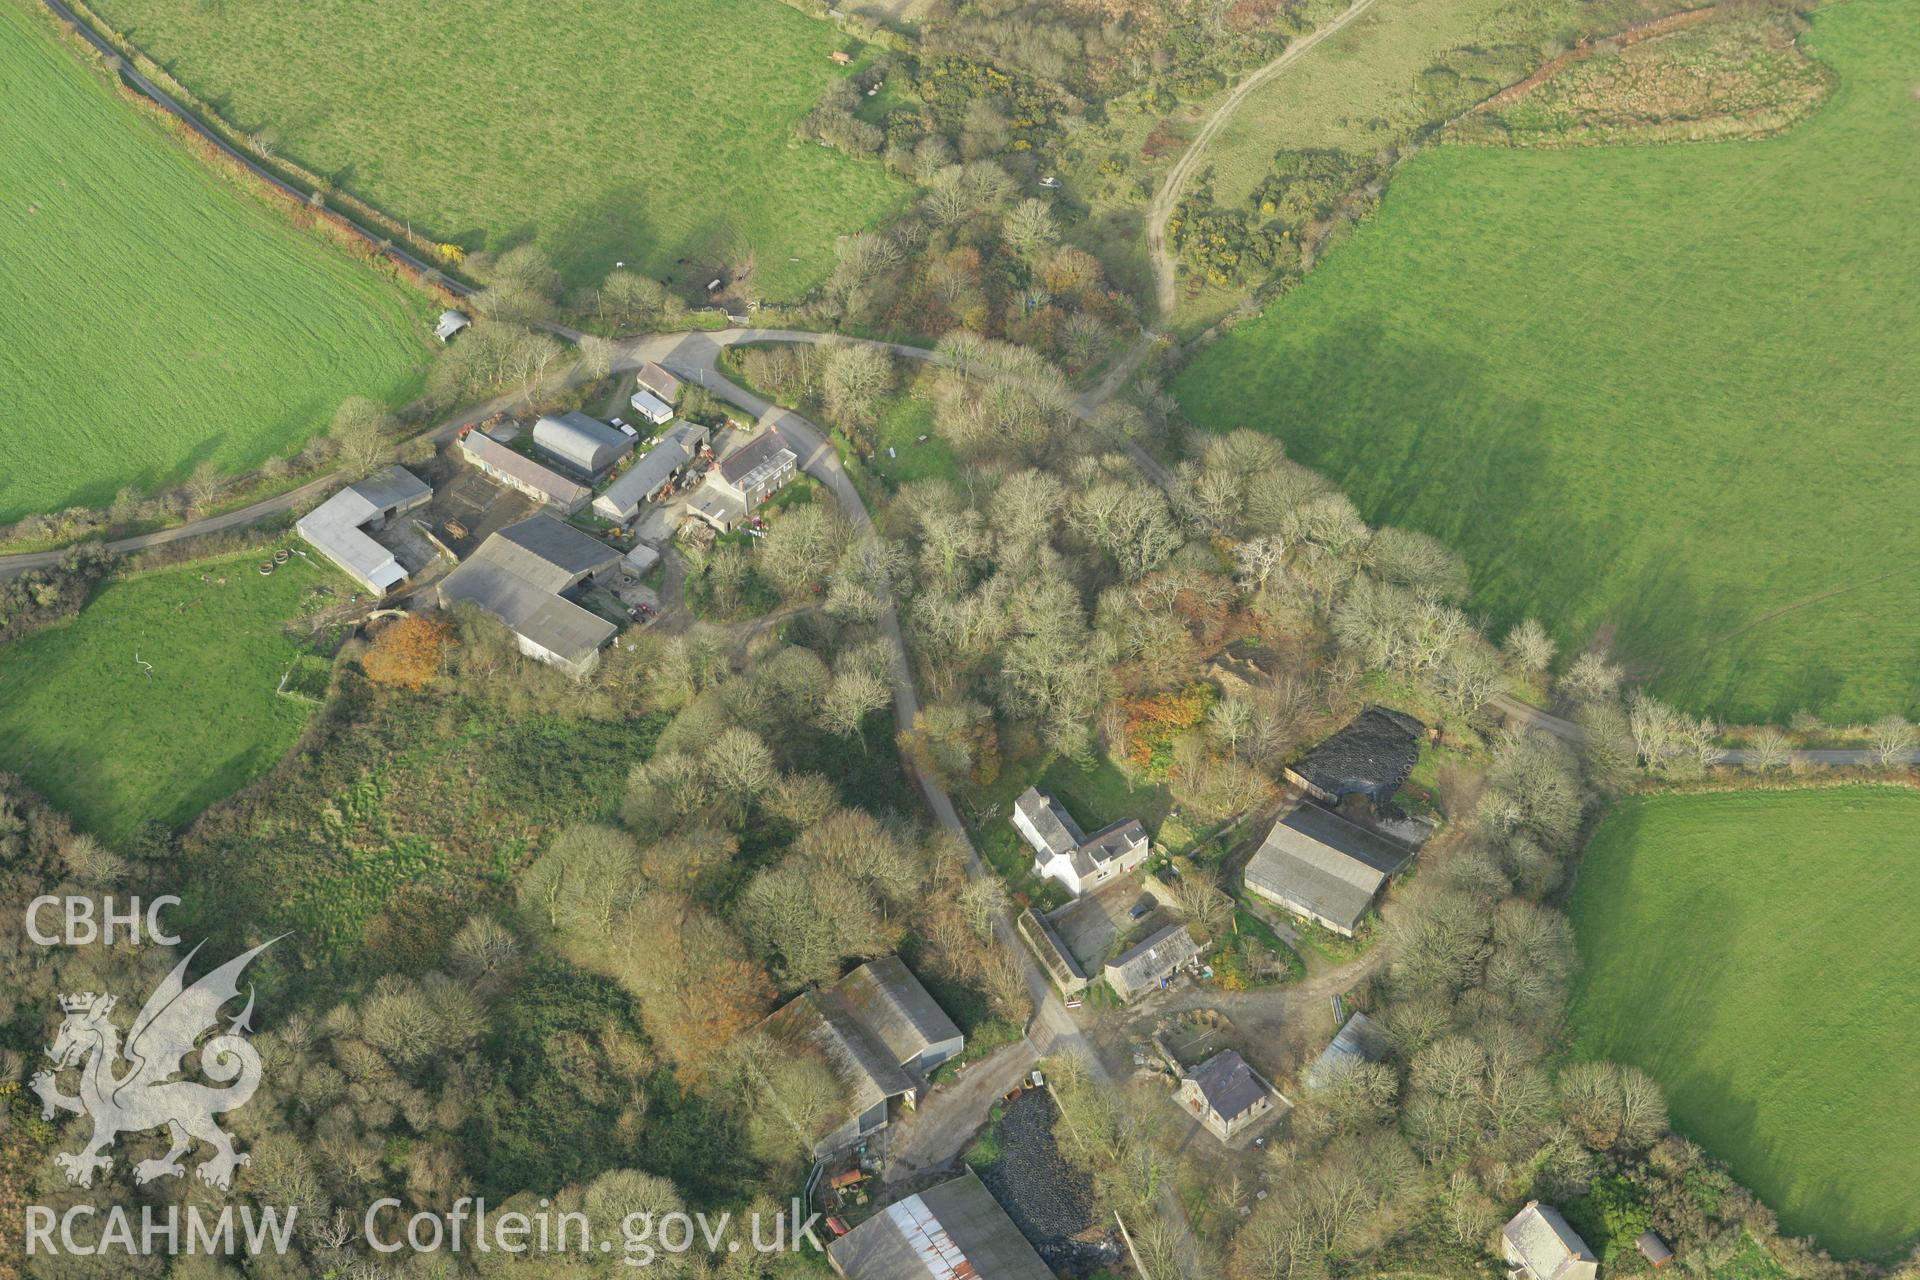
x=112 y=746
x=646 y=133
x=1759 y=954
x=155 y=318
x=1656 y=395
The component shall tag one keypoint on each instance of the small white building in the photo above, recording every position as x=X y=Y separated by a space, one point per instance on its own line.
x=450 y=323
x=651 y=377
x=651 y=407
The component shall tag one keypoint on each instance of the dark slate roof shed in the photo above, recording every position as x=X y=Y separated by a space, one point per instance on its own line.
x=1372 y=755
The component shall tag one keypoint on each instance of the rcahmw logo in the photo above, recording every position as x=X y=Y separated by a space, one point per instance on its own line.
x=133 y=1081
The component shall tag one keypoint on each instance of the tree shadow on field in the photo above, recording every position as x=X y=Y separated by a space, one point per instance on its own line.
x=606 y=230
x=1418 y=433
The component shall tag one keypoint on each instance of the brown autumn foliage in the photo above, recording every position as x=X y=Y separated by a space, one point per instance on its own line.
x=406 y=654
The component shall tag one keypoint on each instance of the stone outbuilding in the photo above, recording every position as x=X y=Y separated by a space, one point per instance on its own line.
x=1539 y=1245
x=1152 y=963
x=1225 y=1095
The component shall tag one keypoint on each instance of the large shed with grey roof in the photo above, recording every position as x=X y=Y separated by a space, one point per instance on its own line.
x=953 y=1231
x=1145 y=966
x=588 y=445
x=337 y=528
x=520 y=575
x=879 y=1032
x=1318 y=865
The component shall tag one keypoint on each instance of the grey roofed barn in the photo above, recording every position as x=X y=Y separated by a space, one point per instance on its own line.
x=890 y=1002
x=1357 y=1041
x=450 y=323
x=1145 y=965
x=1541 y=1244
x=953 y=1231
x=650 y=472
x=584 y=443
x=1228 y=1084
x=1372 y=755
x=1316 y=863
x=523 y=473
x=517 y=575
x=879 y=1032
x=337 y=527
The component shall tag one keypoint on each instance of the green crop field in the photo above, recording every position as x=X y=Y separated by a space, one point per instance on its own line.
x=639 y=132
x=154 y=317
x=1658 y=395
x=112 y=745
x=1759 y=954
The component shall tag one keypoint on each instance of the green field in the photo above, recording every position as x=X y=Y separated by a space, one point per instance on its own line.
x=113 y=746
x=1659 y=395
x=639 y=132
x=154 y=318
x=1759 y=953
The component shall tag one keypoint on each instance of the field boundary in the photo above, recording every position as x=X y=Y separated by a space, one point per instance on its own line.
x=1586 y=49
x=135 y=72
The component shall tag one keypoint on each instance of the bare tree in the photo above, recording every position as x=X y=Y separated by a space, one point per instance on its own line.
x=1893 y=740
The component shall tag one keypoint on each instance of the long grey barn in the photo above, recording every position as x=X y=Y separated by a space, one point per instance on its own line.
x=650 y=473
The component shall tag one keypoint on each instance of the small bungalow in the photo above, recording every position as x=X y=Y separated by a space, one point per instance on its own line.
x=1539 y=1245
x=1065 y=853
x=1151 y=964
x=337 y=528
x=1316 y=864
x=1225 y=1094
x=450 y=323
x=953 y=1231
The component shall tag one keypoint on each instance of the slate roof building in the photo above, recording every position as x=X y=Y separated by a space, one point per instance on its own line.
x=651 y=472
x=1316 y=864
x=663 y=385
x=588 y=445
x=1539 y=1245
x=1358 y=1040
x=743 y=480
x=1372 y=755
x=1061 y=851
x=880 y=1033
x=337 y=527
x=521 y=473
x=521 y=575
x=1148 y=964
x=450 y=323
x=1653 y=1249
x=1225 y=1094
x=1048 y=948
x=954 y=1231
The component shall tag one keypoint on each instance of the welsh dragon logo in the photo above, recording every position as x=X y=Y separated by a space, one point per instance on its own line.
x=147 y=1095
